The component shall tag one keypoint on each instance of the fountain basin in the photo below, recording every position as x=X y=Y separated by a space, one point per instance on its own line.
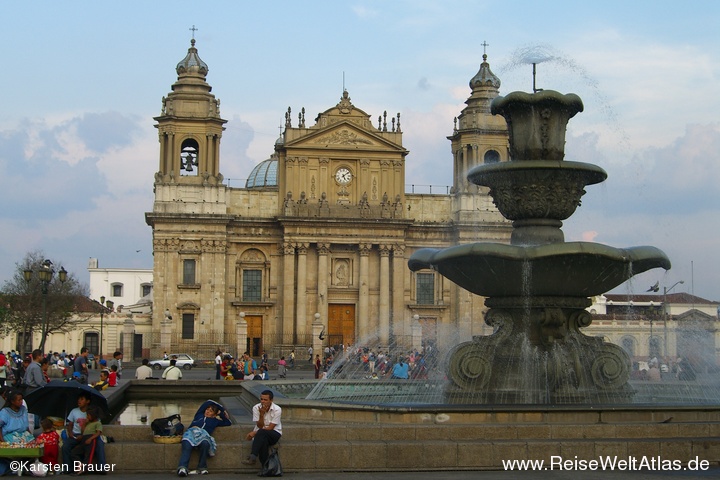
x=537 y=188
x=537 y=122
x=573 y=269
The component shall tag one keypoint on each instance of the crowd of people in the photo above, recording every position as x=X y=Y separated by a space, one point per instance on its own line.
x=82 y=449
x=374 y=363
x=35 y=370
x=244 y=368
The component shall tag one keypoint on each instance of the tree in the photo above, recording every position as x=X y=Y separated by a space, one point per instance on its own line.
x=27 y=310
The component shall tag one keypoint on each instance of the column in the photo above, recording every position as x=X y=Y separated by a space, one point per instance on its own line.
x=128 y=336
x=166 y=327
x=241 y=334
x=173 y=160
x=303 y=327
x=384 y=314
x=323 y=250
x=363 y=294
x=288 y=298
x=317 y=328
x=463 y=174
x=399 y=272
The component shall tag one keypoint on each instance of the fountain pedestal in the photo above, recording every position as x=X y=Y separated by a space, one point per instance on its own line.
x=538 y=355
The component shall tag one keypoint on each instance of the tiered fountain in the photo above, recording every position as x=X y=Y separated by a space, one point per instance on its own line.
x=538 y=287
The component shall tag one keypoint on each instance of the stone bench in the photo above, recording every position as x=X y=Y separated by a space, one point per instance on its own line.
x=307 y=447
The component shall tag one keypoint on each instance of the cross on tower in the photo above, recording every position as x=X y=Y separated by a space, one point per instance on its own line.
x=485 y=45
x=193 y=29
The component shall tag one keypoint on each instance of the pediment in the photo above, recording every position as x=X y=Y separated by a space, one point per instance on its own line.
x=694 y=316
x=344 y=134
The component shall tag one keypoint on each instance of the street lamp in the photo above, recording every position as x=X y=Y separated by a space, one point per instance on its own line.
x=665 y=310
x=45 y=274
x=110 y=304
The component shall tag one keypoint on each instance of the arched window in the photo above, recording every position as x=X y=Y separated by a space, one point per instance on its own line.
x=492 y=156
x=189 y=152
x=117 y=289
x=628 y=344
x=91 y=341
x=425 y=288
x=654 y=347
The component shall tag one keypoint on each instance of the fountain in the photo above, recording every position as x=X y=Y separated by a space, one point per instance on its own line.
x=537 y=287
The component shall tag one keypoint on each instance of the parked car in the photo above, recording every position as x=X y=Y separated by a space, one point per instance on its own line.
x=184 y=361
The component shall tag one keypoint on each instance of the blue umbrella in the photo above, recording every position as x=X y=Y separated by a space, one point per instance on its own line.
x=58 y=397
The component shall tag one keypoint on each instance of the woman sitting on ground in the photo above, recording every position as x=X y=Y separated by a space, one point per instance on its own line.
x=14 y=424
x=209 y=416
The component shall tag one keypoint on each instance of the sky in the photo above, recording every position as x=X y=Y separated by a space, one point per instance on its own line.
x=84 y=79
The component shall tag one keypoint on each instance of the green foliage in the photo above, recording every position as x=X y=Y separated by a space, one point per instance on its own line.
x=27 y=310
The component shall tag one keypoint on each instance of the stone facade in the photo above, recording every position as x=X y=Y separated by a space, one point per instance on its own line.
x=321 y=249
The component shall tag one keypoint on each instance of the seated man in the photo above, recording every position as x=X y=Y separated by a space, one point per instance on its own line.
x=267 y=430
x=172 y=372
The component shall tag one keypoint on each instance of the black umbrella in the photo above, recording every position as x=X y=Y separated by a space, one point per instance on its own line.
x=58 y=397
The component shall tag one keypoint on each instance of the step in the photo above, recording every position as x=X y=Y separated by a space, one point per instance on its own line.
x=424 y=447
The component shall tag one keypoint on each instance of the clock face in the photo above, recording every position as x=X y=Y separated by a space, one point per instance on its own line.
x=343 y=176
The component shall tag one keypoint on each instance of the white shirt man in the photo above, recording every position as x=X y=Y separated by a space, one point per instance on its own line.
x=143 y=371
x=172 y=372
x=267 y=430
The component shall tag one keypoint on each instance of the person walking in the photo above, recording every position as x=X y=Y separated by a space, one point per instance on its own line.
x=218 y=364
x=318 y=364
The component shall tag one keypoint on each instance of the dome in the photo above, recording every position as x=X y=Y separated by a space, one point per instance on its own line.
x=192 y=64
x=485 y=77
x=264 y=174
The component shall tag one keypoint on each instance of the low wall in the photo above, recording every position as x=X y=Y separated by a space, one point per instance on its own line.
x=319 y=436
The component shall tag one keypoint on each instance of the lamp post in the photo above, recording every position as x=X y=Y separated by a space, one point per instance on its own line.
x=110 y=304
x=665 y=310
x=45 y=274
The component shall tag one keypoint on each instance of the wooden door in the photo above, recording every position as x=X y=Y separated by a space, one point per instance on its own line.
x=341 y=324
x=429 y=331
x=254 y=335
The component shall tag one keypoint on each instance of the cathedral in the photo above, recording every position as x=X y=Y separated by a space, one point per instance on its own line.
x=313 y=250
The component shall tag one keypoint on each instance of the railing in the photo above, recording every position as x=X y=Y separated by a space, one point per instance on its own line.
x=420 y=188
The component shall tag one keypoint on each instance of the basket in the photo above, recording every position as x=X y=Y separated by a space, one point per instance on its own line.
x=57 y=422
x=167 y=439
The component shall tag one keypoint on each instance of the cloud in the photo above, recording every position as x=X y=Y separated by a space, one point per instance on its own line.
x=364 y=12
x=424 y=84
x=79 y=185
x=589 y=236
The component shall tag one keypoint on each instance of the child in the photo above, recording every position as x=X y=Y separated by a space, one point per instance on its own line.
x=51 y=441
x=103 y=383
x=112 y=377
x=84 y=451
x=209 y=416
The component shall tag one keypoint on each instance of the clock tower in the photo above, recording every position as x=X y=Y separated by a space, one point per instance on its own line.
x=342 y=160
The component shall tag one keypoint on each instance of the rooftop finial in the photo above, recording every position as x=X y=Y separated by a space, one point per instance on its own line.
x=485 y=45
x=193 y=30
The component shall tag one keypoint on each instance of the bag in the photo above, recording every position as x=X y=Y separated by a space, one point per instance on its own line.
x=38 y=469
x=272 y=467
x=168 y=426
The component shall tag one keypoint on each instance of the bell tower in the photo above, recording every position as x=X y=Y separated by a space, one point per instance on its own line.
x=190 y=127
x=478 y=137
